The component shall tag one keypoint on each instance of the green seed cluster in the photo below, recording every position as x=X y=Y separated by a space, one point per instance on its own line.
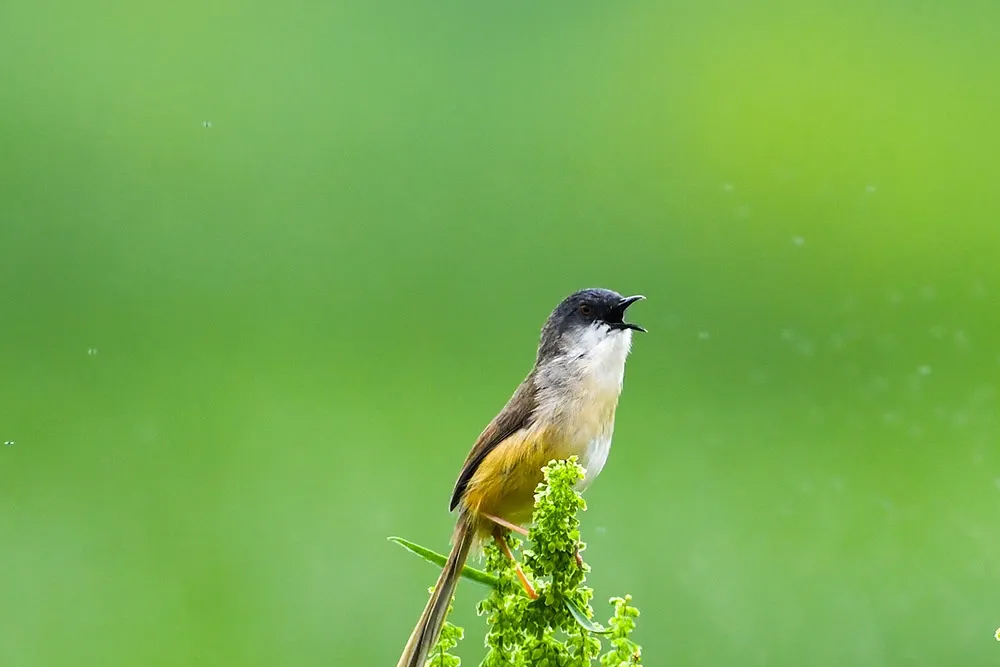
x=543 y=633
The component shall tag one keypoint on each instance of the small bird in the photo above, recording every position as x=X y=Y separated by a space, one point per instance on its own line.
x=564 y=407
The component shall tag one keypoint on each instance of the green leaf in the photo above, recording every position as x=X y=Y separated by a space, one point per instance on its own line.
x=470 y=573
x=583 y=621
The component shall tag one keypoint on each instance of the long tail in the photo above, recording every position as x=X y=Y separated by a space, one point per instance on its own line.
x=425 y=635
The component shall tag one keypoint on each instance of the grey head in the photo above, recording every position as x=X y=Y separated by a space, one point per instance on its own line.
x=597 y=308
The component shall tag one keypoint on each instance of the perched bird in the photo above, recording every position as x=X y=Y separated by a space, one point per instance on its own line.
x=564 y=407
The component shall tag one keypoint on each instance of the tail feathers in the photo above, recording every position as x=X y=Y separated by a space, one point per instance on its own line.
x=425 y=635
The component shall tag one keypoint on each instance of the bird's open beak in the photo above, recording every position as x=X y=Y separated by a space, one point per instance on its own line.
x=619 y=313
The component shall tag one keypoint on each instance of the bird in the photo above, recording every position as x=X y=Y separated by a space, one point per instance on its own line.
x=564 y=407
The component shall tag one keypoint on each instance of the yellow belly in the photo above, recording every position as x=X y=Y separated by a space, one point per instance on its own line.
x=504 y=483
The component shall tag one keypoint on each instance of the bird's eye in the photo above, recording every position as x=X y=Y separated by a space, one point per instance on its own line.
x=586 y=309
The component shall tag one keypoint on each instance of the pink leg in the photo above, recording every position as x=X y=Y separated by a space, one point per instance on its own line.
x=505 y=548
x=507 y=524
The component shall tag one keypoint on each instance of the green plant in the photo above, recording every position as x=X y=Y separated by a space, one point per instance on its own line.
x=557 y=629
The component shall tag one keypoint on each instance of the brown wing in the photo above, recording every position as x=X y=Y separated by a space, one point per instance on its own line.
x=516 y=415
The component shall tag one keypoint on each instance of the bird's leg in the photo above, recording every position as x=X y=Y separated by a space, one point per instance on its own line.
x=498 y=535
x=522 y=531
x=507 y=524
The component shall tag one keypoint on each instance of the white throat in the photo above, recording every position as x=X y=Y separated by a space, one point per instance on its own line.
x=579 y=390
x=598 y=355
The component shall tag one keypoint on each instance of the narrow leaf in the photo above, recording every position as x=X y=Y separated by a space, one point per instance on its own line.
x=581 y=618
x=470 y=573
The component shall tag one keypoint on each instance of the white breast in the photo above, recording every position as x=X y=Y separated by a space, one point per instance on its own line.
x=599 y=358
x=596 y=457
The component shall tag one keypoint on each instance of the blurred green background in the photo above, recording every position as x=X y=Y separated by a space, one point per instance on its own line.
x=269 y=268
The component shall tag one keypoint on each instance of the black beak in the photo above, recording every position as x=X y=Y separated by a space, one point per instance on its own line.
x=617 y=315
